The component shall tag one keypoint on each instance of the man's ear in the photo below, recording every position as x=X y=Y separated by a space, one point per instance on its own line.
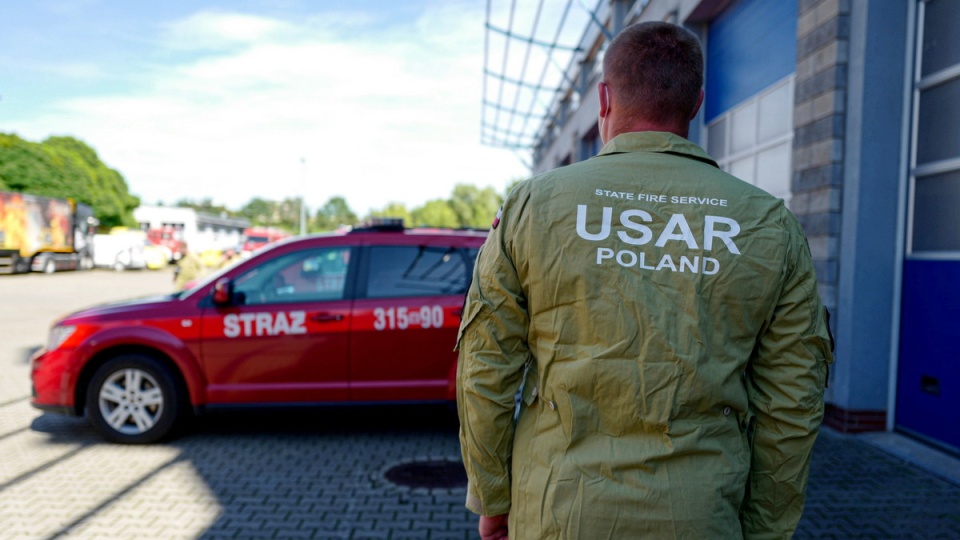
x=603 y=91
x=699 y=103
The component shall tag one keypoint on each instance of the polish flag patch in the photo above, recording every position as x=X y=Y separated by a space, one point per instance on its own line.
x=496 y=220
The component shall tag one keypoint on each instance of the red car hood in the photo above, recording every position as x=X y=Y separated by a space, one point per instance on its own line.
x=127 y=309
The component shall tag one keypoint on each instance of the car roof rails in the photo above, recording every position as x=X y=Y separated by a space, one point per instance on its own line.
x=385 y=224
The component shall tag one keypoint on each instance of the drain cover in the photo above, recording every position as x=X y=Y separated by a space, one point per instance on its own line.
x=428 y=474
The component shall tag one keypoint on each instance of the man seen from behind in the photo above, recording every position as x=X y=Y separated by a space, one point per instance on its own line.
x=664 y=321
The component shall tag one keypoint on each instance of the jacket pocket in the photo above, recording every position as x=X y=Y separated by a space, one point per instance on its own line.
x=469 y=314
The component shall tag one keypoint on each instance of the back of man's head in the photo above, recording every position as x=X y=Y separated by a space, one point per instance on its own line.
x=656 y=71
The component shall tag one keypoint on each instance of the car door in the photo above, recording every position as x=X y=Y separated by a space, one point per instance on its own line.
x=284 y=338
x=405 y=321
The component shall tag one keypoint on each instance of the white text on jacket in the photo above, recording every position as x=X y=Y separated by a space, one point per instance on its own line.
x=718 y=233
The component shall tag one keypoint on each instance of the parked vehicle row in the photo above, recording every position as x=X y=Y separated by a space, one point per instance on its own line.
x=47 y=234
x=126 y=249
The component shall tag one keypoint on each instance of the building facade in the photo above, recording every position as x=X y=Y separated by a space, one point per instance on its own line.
x=199 y=230
x=849 y=110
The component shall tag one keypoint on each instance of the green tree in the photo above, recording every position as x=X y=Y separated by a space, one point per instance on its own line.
x=512 y=184
x=333 y=214
x=288 y=213
x=261 y=212
x=283 y=214
x=475 y=207
x=435 y=213
x=207 y=207
x=65 y=167
x=393 y=210
x=27 y=167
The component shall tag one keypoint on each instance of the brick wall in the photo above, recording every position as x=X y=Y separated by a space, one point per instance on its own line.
x=823 y=28
x=820 y=97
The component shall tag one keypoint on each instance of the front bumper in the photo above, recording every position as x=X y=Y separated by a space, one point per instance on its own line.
x=53 y=380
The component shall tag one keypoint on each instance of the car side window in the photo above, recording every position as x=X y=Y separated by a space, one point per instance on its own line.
x=311 y=275
x=396 y=271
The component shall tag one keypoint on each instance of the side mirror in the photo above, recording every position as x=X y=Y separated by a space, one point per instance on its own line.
x=223 y=292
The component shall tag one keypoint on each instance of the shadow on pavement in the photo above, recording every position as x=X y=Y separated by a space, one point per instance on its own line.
x=24 y=354
x=312 y=472
x=322 y=473
x=323 y=420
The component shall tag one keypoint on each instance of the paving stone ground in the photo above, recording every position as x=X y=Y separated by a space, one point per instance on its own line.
x=857 y=490
x=320 y=473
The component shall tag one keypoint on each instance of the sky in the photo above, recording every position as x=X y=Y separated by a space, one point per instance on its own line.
x=373 y=101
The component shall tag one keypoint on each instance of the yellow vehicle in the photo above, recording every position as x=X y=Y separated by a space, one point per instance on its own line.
x=211 y=257
x=44 y=234
x=155 y=256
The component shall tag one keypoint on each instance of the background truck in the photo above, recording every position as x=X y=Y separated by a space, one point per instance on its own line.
x=44 y=234
x=122 y=249
x=255 y=238
x=169 y=239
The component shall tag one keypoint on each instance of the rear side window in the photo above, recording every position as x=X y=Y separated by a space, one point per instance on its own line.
x=396 y=271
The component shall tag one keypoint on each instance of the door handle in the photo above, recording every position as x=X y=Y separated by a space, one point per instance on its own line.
x=326 y=317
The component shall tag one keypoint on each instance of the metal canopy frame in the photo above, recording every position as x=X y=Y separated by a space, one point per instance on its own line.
x=520 y=104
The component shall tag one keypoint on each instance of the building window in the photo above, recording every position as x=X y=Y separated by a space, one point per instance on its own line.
x=753 y=140
x=935 y=174
x=589 y=145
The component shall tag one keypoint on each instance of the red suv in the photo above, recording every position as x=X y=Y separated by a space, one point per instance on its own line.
x=369 y=315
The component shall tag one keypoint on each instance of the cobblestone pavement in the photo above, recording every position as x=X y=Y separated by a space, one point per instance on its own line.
x=857 y=490
x=320 y=473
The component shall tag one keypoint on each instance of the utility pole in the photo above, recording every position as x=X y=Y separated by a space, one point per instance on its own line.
x=303 y=192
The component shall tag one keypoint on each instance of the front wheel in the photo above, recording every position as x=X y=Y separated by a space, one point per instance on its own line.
x=133 y=399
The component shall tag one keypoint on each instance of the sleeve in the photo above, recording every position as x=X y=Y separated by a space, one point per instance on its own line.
x=493 y=351
x=785 y=383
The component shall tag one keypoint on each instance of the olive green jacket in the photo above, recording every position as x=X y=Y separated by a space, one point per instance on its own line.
x=664 y=319
x=189 y=267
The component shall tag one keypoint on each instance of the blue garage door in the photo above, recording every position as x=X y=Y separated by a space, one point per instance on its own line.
x=751 y=57
x=928 y=379
x=750 y=46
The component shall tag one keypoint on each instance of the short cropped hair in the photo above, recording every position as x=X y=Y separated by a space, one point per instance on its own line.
x=656 y=71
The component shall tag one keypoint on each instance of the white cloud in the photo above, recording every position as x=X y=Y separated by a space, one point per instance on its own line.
x=390 y=117
x=210 y=29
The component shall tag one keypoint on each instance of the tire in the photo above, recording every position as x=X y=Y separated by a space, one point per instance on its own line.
x=133 y=399
x=50 y=266
x=20 y=265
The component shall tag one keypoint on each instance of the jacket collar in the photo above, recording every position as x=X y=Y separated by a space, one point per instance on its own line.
x=656 y=141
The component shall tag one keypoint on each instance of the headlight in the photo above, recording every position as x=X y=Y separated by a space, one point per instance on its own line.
x=59 y=334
